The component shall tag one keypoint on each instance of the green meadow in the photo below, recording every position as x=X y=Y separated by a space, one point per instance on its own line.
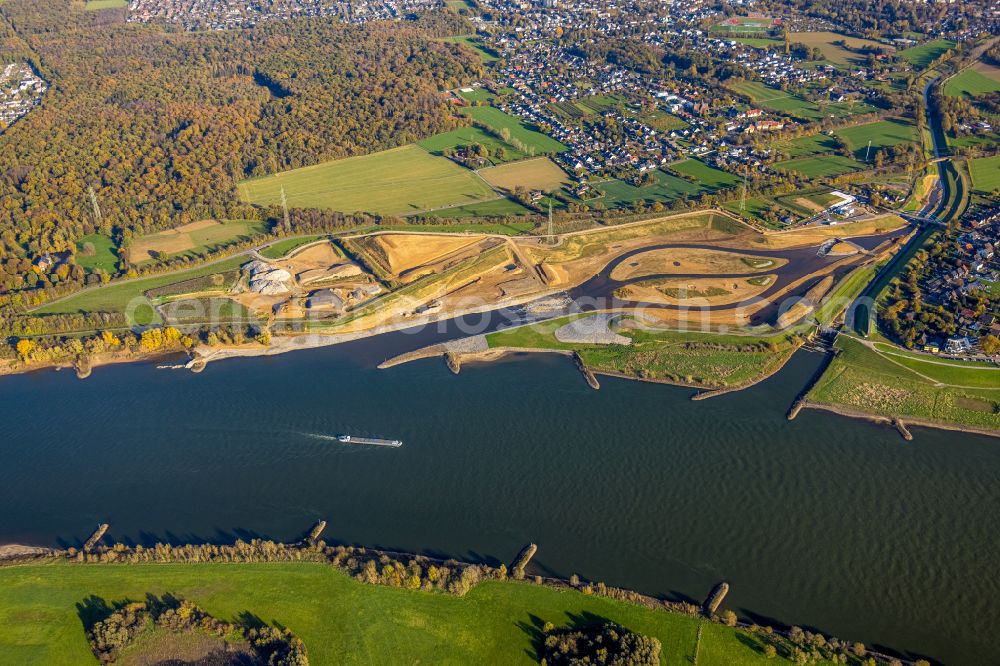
x=754 y=207
x=985 y=173
x=97 y=251
x=618 y=193
x=924 y=54
x=466 y=136
x=795 y=106
x=496 y=208
x=476 y=95
x=821 y=166
x=342 y=621
x=485 y=54
x=971 y=82
x=402 y=180
x=882 y=134
x=497 y=120
x=710 y=178
x=204 y=239
x=804 y=146
x=95 y=5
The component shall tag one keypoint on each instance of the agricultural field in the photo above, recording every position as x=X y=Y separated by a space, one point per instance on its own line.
x=805 y=146
x=496 y=208
x=985 y=173
x=193 y=239
x=618 y=193
x=708 y=178
x=537 y=174
x=924 y=54
x=398 y=181
x=485 y=54
x=834 y=53
x=882 y=134
x=467 y=136
x=868 y=381
x=823 y=166
x=95 y=5
x=497 y=120
x=979 y=79
x=342 y=621
x=97 y=251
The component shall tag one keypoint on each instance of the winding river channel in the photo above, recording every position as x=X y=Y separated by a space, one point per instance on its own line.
x=824 y=522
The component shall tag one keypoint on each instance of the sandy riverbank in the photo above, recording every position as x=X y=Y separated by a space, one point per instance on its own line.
x=15 y=551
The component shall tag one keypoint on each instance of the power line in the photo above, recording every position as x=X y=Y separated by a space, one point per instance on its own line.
x=284 y=208
x=552 y=239
x=97 y=209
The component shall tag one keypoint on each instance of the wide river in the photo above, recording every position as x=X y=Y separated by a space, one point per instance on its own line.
x=824 y=522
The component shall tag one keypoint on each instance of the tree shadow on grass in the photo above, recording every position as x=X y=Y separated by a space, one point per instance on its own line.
x=248 y=620
x=158 y=605
x=94 y=609
x=752 y=642
x=536 y=636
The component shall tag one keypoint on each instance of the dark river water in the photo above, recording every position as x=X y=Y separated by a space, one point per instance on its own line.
x=823 y=522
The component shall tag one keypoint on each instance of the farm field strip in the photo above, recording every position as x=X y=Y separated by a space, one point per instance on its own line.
x=537 y=174
x=397 y=181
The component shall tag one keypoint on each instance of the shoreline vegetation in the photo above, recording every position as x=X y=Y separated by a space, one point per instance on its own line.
x=503 y=605
x=647 y=342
